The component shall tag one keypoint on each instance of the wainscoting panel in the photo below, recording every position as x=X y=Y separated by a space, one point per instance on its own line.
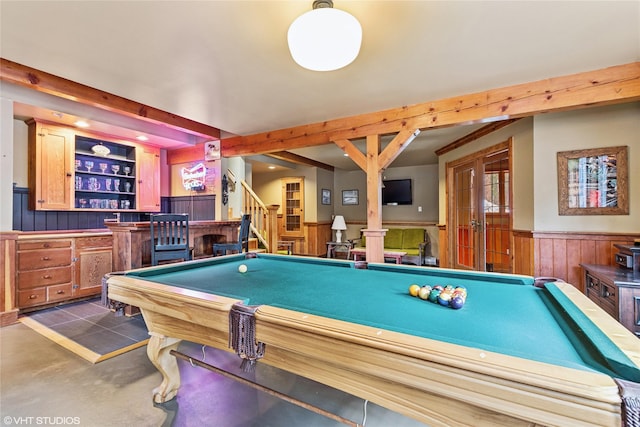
x=560 y=254
x=24 y=219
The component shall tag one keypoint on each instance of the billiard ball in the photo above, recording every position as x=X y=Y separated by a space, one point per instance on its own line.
x=413 y=290
x=456 y=302
x=242 y=268
x=444 y=298
x=433 y=296
x=424 y=292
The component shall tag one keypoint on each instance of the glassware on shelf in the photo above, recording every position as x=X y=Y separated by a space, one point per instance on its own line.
x=78 y=164
x=115 y=169
x=116 y=185
x=107 y=184
x=103 y=167
x=88 y=164
x=127 y=187
x=127 y=170
x=94 y=184
x=83 y=203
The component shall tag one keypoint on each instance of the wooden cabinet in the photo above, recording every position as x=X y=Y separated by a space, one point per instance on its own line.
x=44 y=272
x=75 y=170
x=50 y=172
x=616 y=291
x=149 y=179
x=51 y=268
x=293 y=207
x=93 y=259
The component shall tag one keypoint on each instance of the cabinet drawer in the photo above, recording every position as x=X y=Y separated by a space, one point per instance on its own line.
x=48 y=244
x=59 y=292
x=34 y=260
x=608 y=299
x=592 y=287
x=94 y=242
x=45 y=277
x=32 y=297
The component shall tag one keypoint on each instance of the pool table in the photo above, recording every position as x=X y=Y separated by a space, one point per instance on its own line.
x=515 y=354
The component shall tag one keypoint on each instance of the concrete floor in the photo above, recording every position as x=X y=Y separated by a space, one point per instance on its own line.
x=38 y=378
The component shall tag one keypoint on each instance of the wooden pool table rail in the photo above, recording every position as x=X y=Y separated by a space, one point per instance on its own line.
x=432 y=381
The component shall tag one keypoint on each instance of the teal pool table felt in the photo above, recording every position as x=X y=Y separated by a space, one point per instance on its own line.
x=503 y=313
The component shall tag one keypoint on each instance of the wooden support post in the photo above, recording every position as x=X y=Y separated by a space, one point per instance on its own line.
x=272 y=220
x=375 y=234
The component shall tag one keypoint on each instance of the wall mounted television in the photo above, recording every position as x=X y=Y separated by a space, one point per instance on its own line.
x=397 y=192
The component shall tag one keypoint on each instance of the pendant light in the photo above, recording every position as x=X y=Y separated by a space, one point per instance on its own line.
x=324 y=39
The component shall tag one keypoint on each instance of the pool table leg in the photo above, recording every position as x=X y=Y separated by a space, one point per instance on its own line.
x=159 y=352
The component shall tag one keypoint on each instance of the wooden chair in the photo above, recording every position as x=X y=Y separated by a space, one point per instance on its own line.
x=242 y=245
x=169 y=237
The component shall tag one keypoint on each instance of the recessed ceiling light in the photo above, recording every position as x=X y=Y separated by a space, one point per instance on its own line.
x=272 y=167
x=81 y=124
x=58 y=115
x=142 y=138
x=346 y=155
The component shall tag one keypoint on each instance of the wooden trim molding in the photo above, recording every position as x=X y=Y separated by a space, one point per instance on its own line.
x=485 y=130
x=41 y=81
x=8 y=310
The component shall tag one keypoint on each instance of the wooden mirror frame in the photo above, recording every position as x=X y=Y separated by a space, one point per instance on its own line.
x=570 y=187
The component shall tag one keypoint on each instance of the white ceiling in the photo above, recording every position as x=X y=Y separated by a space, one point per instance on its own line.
x=226 y=63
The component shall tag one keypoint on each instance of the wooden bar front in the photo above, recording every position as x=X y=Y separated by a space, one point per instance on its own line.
x=132 y=240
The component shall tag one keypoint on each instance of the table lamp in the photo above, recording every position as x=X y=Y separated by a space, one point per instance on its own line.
x=338 y=225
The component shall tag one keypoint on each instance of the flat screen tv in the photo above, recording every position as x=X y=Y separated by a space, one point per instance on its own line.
x=397 y=192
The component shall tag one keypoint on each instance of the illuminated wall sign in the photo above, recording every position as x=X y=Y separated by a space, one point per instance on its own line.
x=193 y=179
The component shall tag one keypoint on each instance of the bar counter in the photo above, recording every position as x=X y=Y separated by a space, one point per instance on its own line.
x=132 y=240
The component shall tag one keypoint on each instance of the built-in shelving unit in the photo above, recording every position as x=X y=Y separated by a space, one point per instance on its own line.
x=104 y=175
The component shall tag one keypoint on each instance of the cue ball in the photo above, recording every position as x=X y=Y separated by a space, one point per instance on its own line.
x=242 y=268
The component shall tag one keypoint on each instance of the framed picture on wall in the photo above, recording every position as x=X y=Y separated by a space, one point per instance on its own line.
x=593 y=181
x=326 y=196
x=349 y=197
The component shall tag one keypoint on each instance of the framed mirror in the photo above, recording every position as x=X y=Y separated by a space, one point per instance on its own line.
x=593 y=181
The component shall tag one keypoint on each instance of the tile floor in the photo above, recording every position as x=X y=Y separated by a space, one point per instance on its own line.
x=93 y=326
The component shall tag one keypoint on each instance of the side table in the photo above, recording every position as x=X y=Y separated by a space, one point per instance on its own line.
x=331 y=248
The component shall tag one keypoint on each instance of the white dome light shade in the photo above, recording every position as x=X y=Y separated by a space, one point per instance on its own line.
x=325 y=39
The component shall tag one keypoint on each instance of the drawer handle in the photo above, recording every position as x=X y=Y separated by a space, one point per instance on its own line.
x=33 y=296
x=46 y=245
x=60 y=292
x=607 y=294
x=46 y=276
x=45 y=258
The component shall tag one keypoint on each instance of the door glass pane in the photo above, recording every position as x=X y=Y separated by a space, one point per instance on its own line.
x=464 y=212
x=496 y=212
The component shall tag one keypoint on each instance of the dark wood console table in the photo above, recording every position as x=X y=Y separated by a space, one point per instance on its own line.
x=617 y=291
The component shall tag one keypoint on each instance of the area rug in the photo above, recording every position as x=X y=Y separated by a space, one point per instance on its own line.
x=89 y=329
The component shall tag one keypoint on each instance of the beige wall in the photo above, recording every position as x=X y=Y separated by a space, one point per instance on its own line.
x=268 y=187
x=522 y=175
x=581 y=129
x=20 y=153
x=424 y=183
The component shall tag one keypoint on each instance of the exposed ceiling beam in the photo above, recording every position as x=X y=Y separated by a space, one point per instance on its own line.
x=41 y=81
x=295 y=158
x=485 y=130
x=610 y=85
